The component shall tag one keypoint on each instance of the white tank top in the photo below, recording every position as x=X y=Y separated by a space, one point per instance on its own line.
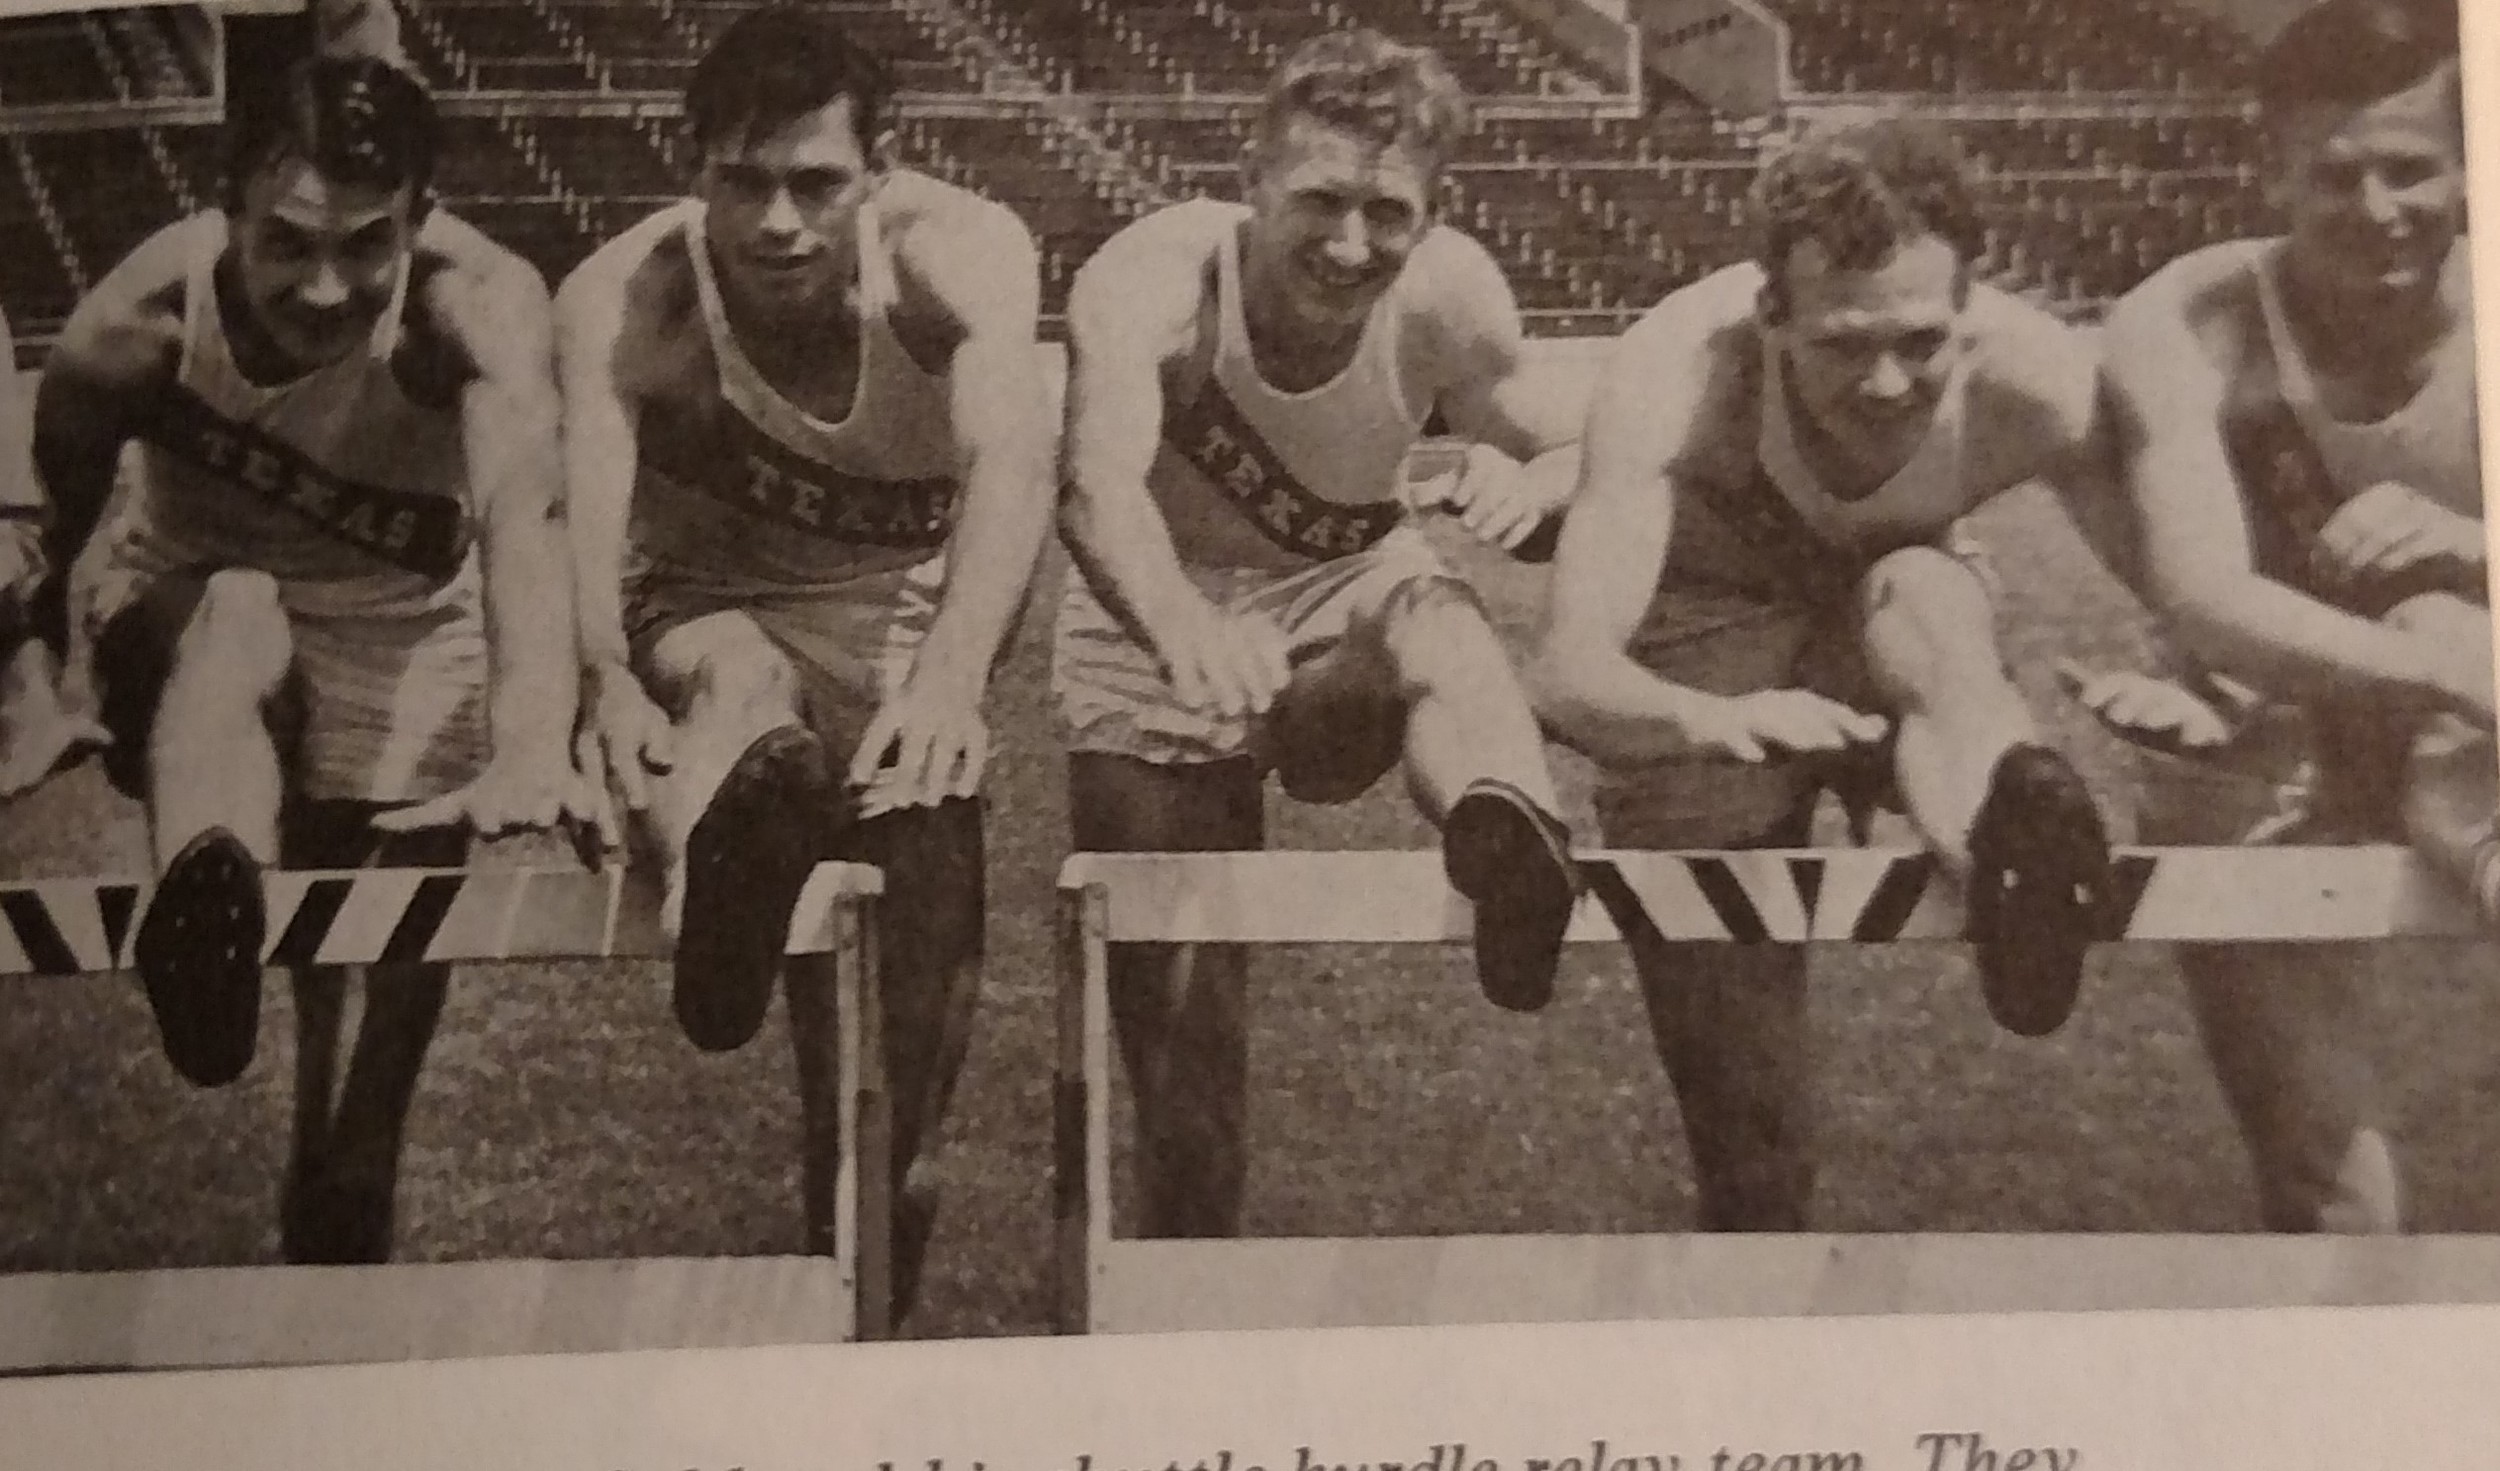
x=2431 y=442
x=763 y=494
x=900 y=424
x=1345 y=441
x=336 y=482
x=1926 y=494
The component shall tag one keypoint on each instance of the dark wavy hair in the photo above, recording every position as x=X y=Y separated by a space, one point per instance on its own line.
x=1862 y=191
x=1380 y=90
x=2349 y=53
x=776 y=65
x=356 y=120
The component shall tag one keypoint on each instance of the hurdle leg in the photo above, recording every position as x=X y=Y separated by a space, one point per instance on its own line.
x=1080 y=1109
x=833 y=1009
x=872 y=1122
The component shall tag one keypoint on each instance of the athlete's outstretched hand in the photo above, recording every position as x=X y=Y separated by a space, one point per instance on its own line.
x=2160 y=714
x=625 y=742
x=1495 y=498
x=926 y=744
x=1756 y=727
x=527 y=791
x=43 y=725
x=2392 y=528
x=1233 y=664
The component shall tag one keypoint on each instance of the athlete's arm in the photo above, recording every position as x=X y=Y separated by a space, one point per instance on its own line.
x=21 y=496
x=118 y=351
x=1133 y=310
x=493 y=307
x=2167 y=400
x=1589 y=689
x=979 y=264
x=1487 y=394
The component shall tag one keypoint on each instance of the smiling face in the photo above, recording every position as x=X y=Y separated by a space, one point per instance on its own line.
x=782 y=209
x=1870 y=352
x=2375 y=194
x=318 y=262
x=1334 y=216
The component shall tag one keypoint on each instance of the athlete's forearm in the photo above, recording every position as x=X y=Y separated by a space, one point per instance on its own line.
x=77 y=451
x=528 y=594
x=517 y=469
x=2270 y=636
x=1122 y=541
x=1607 y=707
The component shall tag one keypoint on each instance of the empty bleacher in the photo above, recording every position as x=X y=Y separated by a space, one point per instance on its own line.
x=1595 y=212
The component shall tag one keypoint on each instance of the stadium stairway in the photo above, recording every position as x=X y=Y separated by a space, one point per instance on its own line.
x=2110 y=135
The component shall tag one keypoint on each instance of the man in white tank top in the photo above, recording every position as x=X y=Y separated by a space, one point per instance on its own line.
x=2297 y=417
x=1763 y=579
x=340 y=424
x=1246 y=382
x=811 y=474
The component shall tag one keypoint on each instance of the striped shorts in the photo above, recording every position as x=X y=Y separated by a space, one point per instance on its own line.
x=385 y=701
x=1115 y=698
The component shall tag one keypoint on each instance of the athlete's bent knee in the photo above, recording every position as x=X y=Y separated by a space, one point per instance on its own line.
x=1918 y=579
x=238 y=632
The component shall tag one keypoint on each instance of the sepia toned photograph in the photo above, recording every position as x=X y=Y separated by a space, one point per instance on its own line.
x=699 y=672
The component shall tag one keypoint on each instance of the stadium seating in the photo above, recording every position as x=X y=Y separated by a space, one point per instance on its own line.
x=2090 y=183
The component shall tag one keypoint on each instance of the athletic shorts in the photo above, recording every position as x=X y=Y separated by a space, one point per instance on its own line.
x=1731 y=641
x=1116 y=700
x=851 y=644
x=385 y=700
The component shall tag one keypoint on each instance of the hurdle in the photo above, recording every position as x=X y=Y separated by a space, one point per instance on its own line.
x=271 y=1315
x=1105 y=1283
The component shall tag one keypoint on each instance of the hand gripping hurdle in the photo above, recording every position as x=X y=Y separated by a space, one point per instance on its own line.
x=1105 y=1283
x=289 y=1314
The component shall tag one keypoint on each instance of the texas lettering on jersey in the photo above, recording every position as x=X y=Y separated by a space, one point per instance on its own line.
x=424 y=534
x=1220 y=444
x=762 y=477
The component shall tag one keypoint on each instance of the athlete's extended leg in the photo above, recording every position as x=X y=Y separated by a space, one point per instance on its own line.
x=343 y=1171
x=1993 y=802
x=194 y=669
x=1180 y=1010
x=2281 y=1023
x=741 y=818
x=1475 y=759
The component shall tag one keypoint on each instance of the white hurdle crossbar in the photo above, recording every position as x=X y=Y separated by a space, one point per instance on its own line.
x=228 y=1316
x=1806 y=896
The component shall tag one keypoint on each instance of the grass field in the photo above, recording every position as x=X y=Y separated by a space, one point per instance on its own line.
x=562 y=1116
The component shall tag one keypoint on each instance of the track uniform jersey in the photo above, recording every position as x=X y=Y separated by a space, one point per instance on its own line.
x=831 y=535
x=1760 y=586
x=2297 y=464
x=350 y=489
x=1281 y=503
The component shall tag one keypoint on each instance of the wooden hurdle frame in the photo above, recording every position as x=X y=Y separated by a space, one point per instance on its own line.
x=261 y=1315
x=1105 y=1283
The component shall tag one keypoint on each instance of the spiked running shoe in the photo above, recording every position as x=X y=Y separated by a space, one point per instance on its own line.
x=747 y=858
x=2039 y=889
x=1512 y=862
x=198 y=955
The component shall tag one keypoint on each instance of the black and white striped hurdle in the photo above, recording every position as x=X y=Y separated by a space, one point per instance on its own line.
x=1106 y=1283
x=222 y=1316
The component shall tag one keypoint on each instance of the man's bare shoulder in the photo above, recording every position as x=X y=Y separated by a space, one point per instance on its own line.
x=1710 y=318
x=474 y=276
x=962 y=256
x=2204 y=301
x=2030 y=369
x=129 y=325
x=1149 y=281
x=634 y=300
